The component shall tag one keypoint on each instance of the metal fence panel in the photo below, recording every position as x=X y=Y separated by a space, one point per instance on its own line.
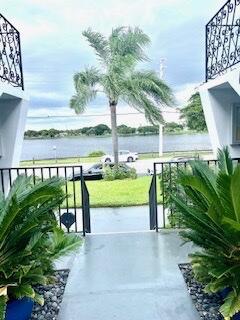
x=10 y=54
x=167 y=185
x=74 y=214
x=222 y=40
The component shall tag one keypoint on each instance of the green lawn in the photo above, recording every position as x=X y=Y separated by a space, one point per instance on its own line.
x=62 y=161
x=118 y=193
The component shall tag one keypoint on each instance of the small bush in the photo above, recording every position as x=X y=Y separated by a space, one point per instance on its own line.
x=119 y=173
x=170 y=186
x=97 y=153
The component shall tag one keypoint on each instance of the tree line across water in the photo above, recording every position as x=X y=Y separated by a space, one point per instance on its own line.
x=101 y=130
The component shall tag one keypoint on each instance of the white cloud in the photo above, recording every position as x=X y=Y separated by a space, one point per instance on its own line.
x=53 y=47
x=184 y=92
x=50 y=112
x=49 y=95
x=65 y=118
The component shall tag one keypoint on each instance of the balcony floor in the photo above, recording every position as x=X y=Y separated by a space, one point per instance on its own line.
x=128 y=276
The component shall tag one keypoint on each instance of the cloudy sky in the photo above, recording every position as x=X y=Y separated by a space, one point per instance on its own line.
x=54 y=49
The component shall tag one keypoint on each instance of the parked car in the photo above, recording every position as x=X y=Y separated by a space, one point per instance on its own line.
x=124 y=156
x=176 y=159
x=184 y=159
x=95 y=172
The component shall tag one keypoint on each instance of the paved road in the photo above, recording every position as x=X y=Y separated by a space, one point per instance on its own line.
x=142 y=166
x=128 y=276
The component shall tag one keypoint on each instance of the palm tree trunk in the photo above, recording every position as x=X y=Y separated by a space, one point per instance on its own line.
x=114 y=131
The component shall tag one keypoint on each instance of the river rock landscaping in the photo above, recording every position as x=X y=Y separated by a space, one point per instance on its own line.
x=53 y=295
x=206 y=304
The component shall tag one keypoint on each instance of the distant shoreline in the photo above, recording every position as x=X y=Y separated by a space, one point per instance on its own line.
x=120 y=135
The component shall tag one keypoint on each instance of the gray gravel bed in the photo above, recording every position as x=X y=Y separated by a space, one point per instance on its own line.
x=53 y=295
x=206 y=304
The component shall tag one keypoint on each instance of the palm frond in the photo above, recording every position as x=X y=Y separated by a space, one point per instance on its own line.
x=85 y=83
x=99 y=43
x=231 y=305
x=127 y=41
x=61 y=244
x=3 y=305
x=212 y=218
x=235 y=194
x=143 y=104
x=18 y=203
x=149 y=83
x=225 y=163
x=146 y=93
x=30 y=239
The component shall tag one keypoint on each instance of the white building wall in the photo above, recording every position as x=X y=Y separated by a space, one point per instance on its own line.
x=218 y=97
x=13 y=113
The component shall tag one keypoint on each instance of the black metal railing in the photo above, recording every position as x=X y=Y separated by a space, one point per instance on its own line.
x=86 y=220
x=153 y=217
x=10 y=54
x=222 y=40
x=165 y=175
x=74 y=214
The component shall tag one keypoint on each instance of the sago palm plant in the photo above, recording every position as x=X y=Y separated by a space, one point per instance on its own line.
x=212 y=218
x=118 y=79
x=30 y=240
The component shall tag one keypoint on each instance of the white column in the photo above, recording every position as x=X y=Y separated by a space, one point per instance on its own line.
x=160 y=140
x=161 y=74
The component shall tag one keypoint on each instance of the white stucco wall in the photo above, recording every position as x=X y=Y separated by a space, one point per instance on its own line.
x=13 y=113
x=218 y=97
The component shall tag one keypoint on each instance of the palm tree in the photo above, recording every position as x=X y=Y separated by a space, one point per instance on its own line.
x=118 y=78
x=30 y=239
x=210 y=209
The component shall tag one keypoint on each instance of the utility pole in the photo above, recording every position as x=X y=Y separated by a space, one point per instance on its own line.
x=161 y=75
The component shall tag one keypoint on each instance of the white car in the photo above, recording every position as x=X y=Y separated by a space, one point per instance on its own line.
x=124 y=156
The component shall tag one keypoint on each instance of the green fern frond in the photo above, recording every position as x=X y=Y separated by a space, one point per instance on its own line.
x=225 y=163
x=3 y=306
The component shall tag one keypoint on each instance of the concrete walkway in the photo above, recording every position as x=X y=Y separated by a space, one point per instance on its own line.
x=120 y=219
x=128 y=276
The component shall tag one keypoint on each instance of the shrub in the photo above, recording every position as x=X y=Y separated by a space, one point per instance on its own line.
x=125 y=130
x=170 y=187
x=212 y=218
x=97 y=153
x=119 y=173
x=30 y=239
x=170 y=127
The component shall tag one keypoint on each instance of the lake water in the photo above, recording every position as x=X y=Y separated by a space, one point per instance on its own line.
x=82 y=146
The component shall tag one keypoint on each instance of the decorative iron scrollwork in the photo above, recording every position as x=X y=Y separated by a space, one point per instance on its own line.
x=67 y=219
x=10 y=54
x=222 y=40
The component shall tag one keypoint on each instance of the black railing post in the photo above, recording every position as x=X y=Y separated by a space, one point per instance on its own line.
x=155 y=196
x=153 y=205
x=82 y=197
x=86 y=222
x=163 y=194
x=206 y=53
